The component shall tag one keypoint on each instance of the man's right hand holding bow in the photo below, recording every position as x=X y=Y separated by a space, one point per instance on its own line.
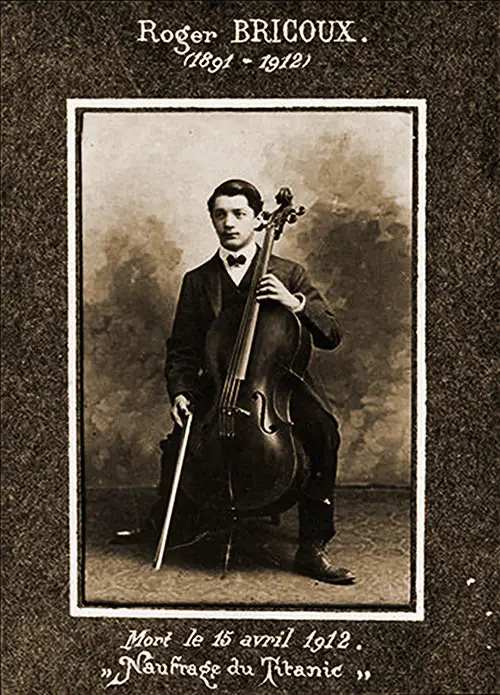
x=181 y=409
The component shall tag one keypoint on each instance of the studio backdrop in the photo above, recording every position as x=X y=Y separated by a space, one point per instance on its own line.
x=145 y=178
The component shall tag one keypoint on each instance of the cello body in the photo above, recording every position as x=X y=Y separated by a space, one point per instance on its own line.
x=259 y=469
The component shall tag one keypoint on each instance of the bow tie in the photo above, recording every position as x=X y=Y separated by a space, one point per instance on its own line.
x=235 y=261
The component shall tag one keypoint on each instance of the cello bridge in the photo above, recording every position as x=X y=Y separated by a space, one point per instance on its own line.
x=226 y=420
x=229 y=412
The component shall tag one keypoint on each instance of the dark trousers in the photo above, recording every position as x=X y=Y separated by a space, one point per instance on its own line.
x=318 y=433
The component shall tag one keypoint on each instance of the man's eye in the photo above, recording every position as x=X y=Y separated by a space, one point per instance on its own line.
x=239 y=214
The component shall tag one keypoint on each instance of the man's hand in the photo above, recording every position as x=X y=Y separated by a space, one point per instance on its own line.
x=272 y=288
x=181 y=409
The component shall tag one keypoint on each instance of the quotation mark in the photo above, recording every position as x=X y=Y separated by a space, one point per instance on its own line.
x=366 y=675
x=106 y=673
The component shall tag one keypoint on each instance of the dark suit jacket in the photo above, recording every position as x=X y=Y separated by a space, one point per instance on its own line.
x=200 y=302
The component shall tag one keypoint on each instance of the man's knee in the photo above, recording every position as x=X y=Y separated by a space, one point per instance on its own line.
x=331 y=430
x=319 y=430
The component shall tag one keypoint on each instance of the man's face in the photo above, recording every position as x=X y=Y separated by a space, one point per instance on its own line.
x=234 y=221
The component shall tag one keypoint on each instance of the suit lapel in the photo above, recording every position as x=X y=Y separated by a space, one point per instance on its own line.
x=212 y=284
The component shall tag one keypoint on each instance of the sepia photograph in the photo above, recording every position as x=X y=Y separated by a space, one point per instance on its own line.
x=248 y=377
x=248 y=346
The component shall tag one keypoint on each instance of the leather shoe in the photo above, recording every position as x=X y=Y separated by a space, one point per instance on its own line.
x=312 y=561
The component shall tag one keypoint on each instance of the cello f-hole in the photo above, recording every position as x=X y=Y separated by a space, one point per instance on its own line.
x=266 y=426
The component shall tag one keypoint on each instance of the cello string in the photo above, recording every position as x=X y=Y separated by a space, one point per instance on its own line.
x=243 y=336
x=231 y=386
x=230 y=383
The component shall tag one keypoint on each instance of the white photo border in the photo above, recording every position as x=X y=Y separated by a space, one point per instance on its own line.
x=76 y=609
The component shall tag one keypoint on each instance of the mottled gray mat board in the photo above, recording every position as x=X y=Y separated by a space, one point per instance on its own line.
x=443 y=52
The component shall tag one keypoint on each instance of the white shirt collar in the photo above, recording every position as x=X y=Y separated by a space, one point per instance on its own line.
x=248 y=251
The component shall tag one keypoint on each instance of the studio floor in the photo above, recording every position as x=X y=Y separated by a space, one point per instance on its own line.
x=373 y=540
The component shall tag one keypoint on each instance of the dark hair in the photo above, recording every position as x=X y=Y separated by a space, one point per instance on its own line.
x=237 y=187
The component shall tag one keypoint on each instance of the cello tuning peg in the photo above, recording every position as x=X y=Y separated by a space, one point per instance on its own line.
x=301 y=210
x=292 y=217
x=264 y=216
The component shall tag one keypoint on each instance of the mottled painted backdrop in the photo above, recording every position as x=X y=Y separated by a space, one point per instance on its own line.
x=145 y=181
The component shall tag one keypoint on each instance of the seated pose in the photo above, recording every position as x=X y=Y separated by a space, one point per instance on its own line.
x=223 y=282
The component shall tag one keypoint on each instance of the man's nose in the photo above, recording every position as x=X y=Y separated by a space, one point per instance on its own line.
x=229 y=222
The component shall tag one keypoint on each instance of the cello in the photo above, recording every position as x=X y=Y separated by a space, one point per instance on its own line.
x=238 y=455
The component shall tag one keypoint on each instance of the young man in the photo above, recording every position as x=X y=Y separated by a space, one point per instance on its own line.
x=224 y=280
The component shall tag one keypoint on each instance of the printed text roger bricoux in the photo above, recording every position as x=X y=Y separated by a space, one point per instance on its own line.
x=274 y=31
